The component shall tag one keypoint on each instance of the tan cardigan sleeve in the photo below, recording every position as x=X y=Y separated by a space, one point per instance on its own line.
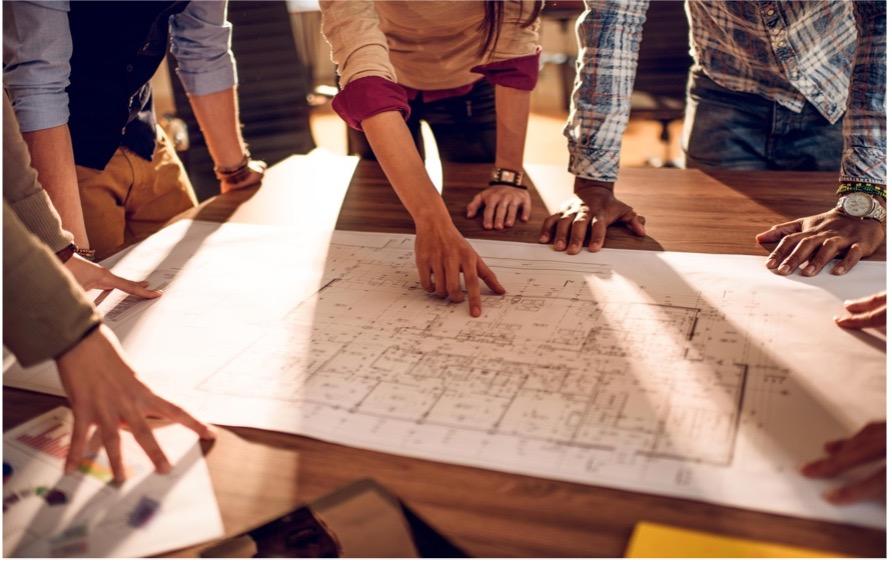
x=358 y=46
x=45 y=312
x=514 y=39
x=23 y=192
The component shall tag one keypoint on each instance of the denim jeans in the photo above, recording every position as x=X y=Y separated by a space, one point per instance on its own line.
x=463 y=126
x=740 y=131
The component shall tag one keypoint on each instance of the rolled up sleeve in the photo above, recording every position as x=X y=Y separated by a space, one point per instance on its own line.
x=37 y=62
x=609 y=34
x=201 y=41
x=864 y=123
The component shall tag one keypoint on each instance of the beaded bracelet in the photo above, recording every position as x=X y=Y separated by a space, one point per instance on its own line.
x=869 y=188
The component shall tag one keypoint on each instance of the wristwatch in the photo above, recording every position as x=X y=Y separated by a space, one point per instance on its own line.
x=860 y=205
x=504 y=176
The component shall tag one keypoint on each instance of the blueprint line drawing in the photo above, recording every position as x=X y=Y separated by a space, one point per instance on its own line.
x=689 y=375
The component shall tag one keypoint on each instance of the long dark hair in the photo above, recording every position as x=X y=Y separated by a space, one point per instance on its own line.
x=491 y=25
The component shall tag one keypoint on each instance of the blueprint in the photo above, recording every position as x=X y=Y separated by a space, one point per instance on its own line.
x=689 y=375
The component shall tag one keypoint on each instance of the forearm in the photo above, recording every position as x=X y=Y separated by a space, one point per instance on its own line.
x=52 y=156
x=393 y=146
x=512 y=116
x=218 y=117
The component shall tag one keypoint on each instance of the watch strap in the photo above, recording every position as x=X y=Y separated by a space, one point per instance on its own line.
x=505 y=176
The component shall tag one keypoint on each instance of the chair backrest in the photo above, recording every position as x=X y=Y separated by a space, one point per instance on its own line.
x=273 y=89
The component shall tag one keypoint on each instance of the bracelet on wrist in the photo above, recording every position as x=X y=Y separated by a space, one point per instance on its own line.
x=861 y=187
x=225 y=173
x=87 y=253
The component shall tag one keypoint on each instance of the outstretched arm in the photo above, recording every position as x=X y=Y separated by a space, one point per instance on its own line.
x=609 y=34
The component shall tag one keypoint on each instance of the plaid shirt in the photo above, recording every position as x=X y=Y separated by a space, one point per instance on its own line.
x=831 y=54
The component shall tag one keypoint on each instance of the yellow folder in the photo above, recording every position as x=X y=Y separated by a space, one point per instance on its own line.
x=651 y=540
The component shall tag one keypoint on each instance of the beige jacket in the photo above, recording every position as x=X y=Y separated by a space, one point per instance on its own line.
x=45 y=311
x=422 y=45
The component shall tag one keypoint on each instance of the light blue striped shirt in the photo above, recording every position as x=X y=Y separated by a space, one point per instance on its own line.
x=37 y=52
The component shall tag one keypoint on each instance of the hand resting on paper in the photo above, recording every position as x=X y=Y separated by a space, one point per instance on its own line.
x=105 y=392
x=594 y=208
x=869 y=312
x=91 y=275
x=867 y=446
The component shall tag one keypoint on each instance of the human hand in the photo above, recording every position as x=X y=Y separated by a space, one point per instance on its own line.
x=442 y=252
x=820 y=238
x=595 y=208
x=105 y=392
x=869 y=312
x=501 y=205
x=91 y=275
x=250 y=176
x=868 y=445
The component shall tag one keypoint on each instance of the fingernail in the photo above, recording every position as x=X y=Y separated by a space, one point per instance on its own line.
x=784 y=269
x=543 y=239
x=772 y=264
x=834 y=496
x=475 y=311
x=559 y=245
x=810 y=270
x=164 y=468
x=210 y=434
x=838 y=271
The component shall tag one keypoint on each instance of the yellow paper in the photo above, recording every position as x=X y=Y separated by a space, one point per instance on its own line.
x=650 y=540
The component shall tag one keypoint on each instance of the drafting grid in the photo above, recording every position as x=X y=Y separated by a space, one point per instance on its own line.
x=635 y=370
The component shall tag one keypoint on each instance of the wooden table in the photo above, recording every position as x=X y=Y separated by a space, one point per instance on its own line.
x=492 y=513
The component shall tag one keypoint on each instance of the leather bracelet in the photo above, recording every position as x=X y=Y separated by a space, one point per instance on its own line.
x=227 y=173
x=507 y=183
x=65 y=253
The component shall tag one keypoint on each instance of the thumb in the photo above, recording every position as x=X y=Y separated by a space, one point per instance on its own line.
x=634 y=222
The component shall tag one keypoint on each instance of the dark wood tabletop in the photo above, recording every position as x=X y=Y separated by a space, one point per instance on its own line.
x=489 y=513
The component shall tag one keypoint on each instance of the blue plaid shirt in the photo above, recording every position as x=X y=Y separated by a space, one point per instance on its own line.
x=831 y=54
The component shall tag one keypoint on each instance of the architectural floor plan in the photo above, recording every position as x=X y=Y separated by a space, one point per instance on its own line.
x=691 y=375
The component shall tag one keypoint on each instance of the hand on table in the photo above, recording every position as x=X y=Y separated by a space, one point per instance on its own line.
x=91 y=275
x=594 y=210
x=820 y=238
x=869 y=312
x=868 y=445
x=442 y=253
x=252 y=176
x=501 y=206
x=105 y=392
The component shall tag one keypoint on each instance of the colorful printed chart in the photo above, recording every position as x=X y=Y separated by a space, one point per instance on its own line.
x=47 y=513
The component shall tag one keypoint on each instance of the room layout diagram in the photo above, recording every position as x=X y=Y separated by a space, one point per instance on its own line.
x=680 y=374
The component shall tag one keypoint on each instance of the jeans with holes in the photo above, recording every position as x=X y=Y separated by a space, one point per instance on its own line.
x=463 y=126
x=724 y=129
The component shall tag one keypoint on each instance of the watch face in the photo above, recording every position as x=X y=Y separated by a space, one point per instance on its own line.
x=857 y=204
